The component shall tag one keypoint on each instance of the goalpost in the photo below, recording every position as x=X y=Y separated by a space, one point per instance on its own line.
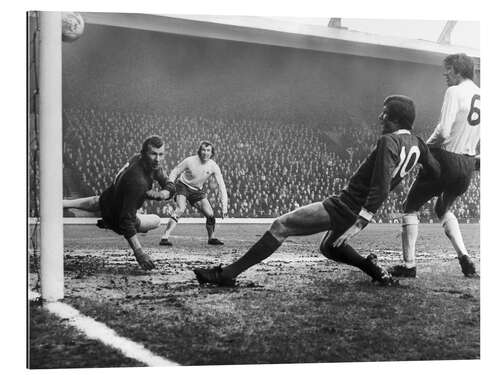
x=51 y=167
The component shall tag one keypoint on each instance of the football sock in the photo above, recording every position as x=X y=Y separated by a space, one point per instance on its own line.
x=346 y=254
x=452 y=231
x=262 y=249
x=170 y=227
x=210 y=225
x=409 y=239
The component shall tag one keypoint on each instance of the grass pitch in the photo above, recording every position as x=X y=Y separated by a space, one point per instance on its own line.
x=296 y=307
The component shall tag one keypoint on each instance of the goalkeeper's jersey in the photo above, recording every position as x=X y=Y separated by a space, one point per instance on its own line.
x=121 y=200
x=392 y=159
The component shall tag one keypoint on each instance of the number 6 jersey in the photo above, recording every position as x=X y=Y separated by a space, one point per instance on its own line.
x=393 y=158
x=458 y=128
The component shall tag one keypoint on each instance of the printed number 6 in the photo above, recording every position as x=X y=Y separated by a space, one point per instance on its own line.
x=474 y=116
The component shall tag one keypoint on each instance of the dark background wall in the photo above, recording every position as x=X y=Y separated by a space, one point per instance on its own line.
x=118 y=68
x=290 y=125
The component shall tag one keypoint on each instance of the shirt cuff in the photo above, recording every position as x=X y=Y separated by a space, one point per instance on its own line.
x=365 y=214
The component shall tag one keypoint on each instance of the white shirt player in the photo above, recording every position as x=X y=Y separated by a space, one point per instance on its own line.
x=458 y=127
x=194 y=172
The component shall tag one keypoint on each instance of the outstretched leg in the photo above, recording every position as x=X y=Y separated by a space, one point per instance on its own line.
x=90 y=204
x=303 y=221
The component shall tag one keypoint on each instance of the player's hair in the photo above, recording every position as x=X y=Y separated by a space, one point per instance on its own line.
x=153 y=141
x=205 y=144
x=400 y=109
x=461 y=64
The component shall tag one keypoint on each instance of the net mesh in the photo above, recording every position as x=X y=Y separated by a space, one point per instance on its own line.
x=33 y=150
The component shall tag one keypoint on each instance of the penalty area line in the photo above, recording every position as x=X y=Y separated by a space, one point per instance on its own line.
x=99 y=331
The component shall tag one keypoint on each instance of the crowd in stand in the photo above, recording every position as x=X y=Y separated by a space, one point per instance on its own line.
x=269 y=167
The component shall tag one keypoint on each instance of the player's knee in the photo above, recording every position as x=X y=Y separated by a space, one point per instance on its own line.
x=447 y=217
x=179 y=211
x=207 y=211
x=448 y=221
x=156 y=221
x=326 y=249
x=410 y=218
x=410 y=208
x=278 y=228
x=410 y=204
x=440 y=210
x=148 y=222
x=326 y=246
x=331 y=252
x=406 y=209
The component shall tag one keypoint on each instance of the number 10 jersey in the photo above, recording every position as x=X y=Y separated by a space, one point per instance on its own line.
x=393 y=158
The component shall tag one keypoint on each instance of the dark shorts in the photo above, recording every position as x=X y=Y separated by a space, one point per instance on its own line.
x=456 y=174
x=192 y=195
x=341 y=216
x=112 y=221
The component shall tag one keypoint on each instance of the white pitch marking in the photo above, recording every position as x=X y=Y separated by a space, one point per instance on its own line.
x=99 y=331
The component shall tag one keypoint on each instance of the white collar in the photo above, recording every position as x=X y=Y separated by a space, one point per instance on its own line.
x=401 y=131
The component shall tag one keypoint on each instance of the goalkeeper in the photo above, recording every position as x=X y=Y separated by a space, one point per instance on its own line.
x=118 y=204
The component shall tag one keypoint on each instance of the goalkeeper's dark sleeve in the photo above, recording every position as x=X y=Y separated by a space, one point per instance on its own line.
x=165 y=184
x=170 y=186
x=158 y=195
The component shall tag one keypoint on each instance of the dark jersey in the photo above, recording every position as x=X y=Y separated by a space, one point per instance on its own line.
x=392 y=159
x=120 y=201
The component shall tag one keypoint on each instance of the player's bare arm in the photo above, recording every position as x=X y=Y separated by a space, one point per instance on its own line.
x=142 y=258
x=177 y=170
x=222 y=189
x=166 y=187
x=448 y=115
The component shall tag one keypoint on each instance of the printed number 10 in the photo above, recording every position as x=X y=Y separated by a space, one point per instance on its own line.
x=406 y=162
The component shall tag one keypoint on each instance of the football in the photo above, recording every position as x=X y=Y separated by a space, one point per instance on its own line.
x=72 y=26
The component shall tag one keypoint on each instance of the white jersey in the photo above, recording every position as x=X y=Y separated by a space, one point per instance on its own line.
x=193 y=172
x=458 y=128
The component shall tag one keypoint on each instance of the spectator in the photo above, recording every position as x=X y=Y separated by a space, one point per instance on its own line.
x=249 y=151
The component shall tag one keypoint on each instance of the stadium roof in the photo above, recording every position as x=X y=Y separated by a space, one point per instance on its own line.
x=289 y=33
